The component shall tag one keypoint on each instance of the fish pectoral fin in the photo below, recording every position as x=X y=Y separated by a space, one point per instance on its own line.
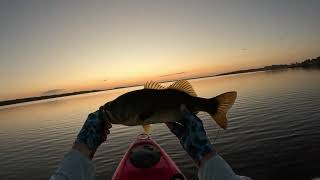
x=153 y=85
x=147 y=128
x=225 y=101
x=145 y=115
x=183 y=85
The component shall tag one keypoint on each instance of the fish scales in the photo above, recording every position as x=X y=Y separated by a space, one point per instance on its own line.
x=156 y=104
x=161 y=105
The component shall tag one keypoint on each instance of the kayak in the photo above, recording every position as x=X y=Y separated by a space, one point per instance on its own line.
x=145 y=159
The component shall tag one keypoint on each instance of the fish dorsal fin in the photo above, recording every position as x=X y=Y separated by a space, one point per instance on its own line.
x=183 y=85
x=153 y=85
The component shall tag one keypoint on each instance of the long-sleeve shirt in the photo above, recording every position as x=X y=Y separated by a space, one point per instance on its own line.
x=75 y=166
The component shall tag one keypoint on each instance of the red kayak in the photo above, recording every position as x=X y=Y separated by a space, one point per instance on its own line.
x=144 y=160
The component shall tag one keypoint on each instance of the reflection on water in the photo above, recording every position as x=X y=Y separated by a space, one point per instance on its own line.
x=274 y=129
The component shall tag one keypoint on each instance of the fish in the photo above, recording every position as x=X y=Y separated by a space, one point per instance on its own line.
x=158 y=104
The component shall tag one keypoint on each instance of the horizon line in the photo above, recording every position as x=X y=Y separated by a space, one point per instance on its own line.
x=265 y=68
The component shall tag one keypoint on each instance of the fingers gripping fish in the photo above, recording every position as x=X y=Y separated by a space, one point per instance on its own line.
x=157 y=104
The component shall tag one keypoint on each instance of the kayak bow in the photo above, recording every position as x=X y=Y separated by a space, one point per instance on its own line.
x=145 y=159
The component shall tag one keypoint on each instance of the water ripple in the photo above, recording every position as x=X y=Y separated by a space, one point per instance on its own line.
x=273 y=133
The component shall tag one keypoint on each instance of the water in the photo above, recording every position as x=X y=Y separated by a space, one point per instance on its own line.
x=274 y=129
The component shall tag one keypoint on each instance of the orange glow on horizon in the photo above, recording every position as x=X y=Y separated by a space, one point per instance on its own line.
x=132 y=77
x=67 y=47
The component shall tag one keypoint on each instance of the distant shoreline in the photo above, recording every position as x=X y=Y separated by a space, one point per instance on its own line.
x=37 y=98
x=306 y=64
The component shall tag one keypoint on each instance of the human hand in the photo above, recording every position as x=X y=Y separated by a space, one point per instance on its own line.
x=192 y=136
x=93 y=133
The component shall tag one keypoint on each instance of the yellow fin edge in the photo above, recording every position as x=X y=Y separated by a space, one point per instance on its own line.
x=183 y=85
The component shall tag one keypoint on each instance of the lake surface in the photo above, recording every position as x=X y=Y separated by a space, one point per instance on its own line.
x=273 y=133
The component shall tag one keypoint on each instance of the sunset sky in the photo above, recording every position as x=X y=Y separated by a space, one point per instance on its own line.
x=63 y=46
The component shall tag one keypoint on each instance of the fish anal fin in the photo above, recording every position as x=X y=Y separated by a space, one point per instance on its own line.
x=153 y=85
x=225 y=101
x=184 y=86
x=147 y=128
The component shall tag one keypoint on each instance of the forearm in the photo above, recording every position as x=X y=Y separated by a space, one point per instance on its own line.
x=74 y=166
x=216 y=168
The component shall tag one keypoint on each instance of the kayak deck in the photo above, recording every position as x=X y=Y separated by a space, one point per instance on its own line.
x=145 y=159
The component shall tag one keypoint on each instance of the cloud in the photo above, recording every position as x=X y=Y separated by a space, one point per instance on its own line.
x=173 y=74
x=53 y=91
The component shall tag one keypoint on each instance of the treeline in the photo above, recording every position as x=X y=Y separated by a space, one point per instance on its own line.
x=37 y=98
x=309 y=63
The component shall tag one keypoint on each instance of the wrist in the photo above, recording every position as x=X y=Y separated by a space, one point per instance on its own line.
x=202 y=153
x=83 y=149
x=206 y=157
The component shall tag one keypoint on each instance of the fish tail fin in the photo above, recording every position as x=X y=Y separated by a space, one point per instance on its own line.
x=147 y=129
x=223 y=103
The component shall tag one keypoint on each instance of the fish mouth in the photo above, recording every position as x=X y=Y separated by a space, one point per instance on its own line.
x=112 y=117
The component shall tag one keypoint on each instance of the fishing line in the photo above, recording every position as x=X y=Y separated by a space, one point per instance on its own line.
x=216 y=136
